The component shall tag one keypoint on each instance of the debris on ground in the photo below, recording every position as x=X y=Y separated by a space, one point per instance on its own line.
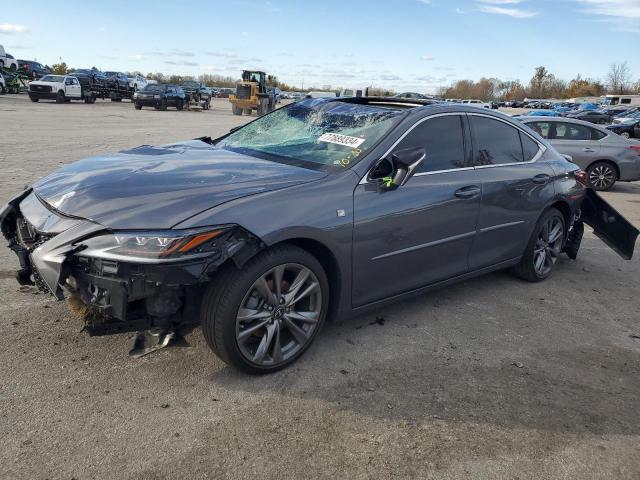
x=518 y=364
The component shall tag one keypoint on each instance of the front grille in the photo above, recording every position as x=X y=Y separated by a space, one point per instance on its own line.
x=40 y=88
x=243 y=91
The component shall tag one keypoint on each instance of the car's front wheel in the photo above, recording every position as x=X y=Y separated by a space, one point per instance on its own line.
x=602 y=176
x=544 y=247
x=264 y=316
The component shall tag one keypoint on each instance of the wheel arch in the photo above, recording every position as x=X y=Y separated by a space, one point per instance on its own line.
x=565 y=209
x=329 y=262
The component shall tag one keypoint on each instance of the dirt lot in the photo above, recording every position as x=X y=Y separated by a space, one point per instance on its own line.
x=490 y=379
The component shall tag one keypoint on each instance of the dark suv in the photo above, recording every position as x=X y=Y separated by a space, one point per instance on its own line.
x=117 y=80
x=90 y=78
x=33 y=69
x=160 y=96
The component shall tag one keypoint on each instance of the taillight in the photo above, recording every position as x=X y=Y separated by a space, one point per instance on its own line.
x=635 y=148
x=581 y=177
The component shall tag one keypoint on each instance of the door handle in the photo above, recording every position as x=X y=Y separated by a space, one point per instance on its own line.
x=589 y=150
x=541 y=178
x=467 y=192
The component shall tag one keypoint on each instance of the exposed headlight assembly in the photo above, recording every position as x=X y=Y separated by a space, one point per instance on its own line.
x=154 y=246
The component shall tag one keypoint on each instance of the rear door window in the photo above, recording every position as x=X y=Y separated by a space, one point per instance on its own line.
x=495 y=142
x=443 y=140
x=530 y=148
x=572 y=131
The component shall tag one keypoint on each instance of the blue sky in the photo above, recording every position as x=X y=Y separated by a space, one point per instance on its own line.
x=414 y=45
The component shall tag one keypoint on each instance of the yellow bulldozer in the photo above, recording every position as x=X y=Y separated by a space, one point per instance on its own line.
x=252 y=94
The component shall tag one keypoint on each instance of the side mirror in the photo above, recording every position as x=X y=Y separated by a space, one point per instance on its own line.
x=394 y=172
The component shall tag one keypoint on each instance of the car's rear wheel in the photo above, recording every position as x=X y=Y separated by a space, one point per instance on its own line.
x=179 y=105
x=544 y=247
x=138 y=106
x=163 y=105
x=236 y=110
x=602 y=176
x=264 y=316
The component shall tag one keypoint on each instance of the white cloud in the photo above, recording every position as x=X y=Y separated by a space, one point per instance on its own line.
x=511 y=12
x=425 y=2
x=427 y=58
x=624 y=13
x=501 y=2
x=12 y=28
x=137 y=57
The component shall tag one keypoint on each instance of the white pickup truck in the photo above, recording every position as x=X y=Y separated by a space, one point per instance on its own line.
x=477 y=103
x=61 y=88
x=7 y=61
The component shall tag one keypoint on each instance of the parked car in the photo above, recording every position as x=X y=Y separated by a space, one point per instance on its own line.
x=259 y=238
x=7 y=61
x=61 y=88
x=160 y=96
x=592 y=116
x=630 y=128
x=137 y=82
x=33 y=69
x=225 y=92
x=414 y=95
x=90 y=77
x=605 y=157
x=615 y=111
x=588 y=106
x=476 y=103
x=541 y=113
x=117 y=80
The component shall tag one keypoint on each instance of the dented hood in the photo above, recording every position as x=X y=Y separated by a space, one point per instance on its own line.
x=159 y=187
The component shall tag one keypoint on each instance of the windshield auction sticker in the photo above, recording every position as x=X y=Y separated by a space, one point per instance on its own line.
x=346 y=140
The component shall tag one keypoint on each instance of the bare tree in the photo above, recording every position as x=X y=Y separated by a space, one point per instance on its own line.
x=619 y=78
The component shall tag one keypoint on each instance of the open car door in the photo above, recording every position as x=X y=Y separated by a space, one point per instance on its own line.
x=609 y=225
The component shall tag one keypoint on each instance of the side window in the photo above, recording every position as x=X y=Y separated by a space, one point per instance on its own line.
x=572 y=131
x=529 y=147
x=597 y=134
x=625 y=101
x=442 y=139
x=496 y=143
x=541 y=128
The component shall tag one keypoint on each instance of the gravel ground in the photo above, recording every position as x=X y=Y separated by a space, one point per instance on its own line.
x=492 y=378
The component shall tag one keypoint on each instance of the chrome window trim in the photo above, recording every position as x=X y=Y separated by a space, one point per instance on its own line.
x=541 y=148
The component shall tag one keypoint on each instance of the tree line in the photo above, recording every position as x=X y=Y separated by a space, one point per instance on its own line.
x=545 y=84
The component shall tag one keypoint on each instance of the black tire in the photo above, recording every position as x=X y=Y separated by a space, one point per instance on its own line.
x=526 y=269
x=34 y=99
x=236 y=110
x=116 y=99
x=163 y=105
x=179 y=105
x=602 y=176
x=224 y=297
x=60 y=97
x=263 y=106
x=247 y=111
x=137 y=106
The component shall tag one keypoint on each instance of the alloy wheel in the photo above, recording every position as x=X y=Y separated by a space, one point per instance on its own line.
x=602 y=177
x=548 y=246
x=279 y=314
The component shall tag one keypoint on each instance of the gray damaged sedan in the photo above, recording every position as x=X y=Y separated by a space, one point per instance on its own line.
x=321 y=209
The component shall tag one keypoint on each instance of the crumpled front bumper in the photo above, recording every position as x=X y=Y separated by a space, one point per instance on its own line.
x=112 y=296
x=43 y=260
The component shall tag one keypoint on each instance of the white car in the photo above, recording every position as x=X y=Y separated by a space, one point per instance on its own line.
x=477 y=103
x=61 y=88
x=138 y=82
x=7 y=61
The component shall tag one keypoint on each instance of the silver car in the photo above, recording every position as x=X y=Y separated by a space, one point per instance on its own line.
x=604 y=155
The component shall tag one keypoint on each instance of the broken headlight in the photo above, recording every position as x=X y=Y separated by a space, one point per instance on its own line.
x=153 y=246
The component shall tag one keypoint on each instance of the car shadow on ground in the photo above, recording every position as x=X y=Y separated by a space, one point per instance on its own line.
x=411 y=372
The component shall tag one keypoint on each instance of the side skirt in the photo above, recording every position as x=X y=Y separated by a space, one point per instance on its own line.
x=434 y=286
